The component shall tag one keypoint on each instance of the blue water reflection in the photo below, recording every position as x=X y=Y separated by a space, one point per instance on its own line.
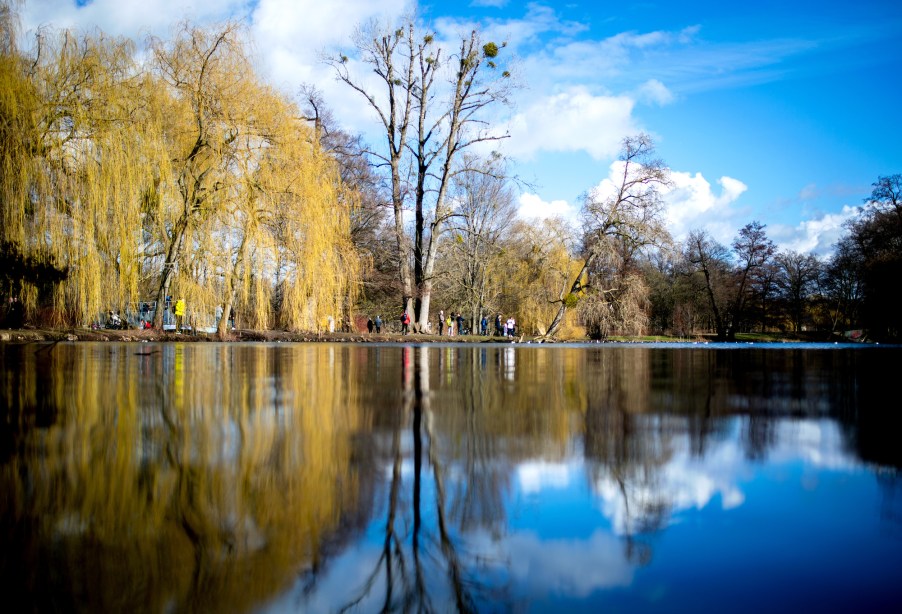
x=452 y=477
x=810 y=525
x=769 y=510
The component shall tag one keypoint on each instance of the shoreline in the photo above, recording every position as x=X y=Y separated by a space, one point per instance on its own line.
x=30 y=335
x=33 y=335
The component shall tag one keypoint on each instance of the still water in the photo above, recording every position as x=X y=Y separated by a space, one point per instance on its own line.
x=379 y=477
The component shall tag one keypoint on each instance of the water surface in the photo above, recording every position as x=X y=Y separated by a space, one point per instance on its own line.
x=371 y=477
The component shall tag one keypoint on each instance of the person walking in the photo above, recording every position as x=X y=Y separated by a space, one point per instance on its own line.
x=179 y=315
x=370 y=325
x=441 y=322
x=498 y=327
x=484 y=326
x=405 y=323
x=449 y=322
x=460 y=323
x=511 y=326
x=378 y=324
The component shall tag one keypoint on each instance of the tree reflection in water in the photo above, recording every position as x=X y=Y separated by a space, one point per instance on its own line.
x=155 y=485
x=238 y=477
x=408 y=573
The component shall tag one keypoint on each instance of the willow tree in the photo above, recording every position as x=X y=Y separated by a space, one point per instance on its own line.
x=75 y=165
x=109 y=144
x=536 y=259
x=204 y=73
x=433 y=109
x=251 y=215
x=19 y=136
x=310 y=220
x=620 y=214
x=19 y=142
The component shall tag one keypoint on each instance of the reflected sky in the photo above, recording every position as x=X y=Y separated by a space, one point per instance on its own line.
x=366 y=478
x=811 y=522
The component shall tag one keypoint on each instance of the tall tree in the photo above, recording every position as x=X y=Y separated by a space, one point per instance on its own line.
x=77 y=155
x=132 y=177
x=203 y=71
x=797 y=279
x=842 y=285
x=877 y=240
x=366 y=195
x=753 y=251
x=483 y=208
x=432 y=109
x=729 y=277
x=623 y=215
x=537 y=259
x=710 y=260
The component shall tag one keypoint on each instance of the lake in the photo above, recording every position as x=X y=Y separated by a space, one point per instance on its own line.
x=242 y=477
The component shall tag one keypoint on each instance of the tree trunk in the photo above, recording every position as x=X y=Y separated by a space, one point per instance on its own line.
x=403 y=241
x=222 y=325
x=562 y=310
x=173 y=254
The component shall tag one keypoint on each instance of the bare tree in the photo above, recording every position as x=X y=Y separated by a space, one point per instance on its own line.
x=754 y=252
x=431 y=110
x=709 y=259
x=628 y=216
x=392 y=57
x=842 y=285
x=729 y=286
x=483 y=204
x=877 y=239
x=797 y=277
x=887 y=194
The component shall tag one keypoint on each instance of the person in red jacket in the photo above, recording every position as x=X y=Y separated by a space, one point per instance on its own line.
x=405 y=323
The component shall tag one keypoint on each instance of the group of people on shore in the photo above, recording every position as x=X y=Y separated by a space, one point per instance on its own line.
x=452 y=324
x=375 y=325
x=455 y=324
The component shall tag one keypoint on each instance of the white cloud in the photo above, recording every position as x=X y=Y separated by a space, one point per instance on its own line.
x=292 y=36
x=542 y=567
x=520 y=33
x=818 y=443
x=575 y=120
x=816 y=235
x=622 y=62
x=536 y=476
x=532 y=206
x=692 y=203
x=307 y=27
x=131 y=19
x=288 y=36
x=684 y=482
x=573 y=567
x=654 y=92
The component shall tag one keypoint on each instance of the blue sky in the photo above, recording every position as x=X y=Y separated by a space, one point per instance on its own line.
x=781 y=112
